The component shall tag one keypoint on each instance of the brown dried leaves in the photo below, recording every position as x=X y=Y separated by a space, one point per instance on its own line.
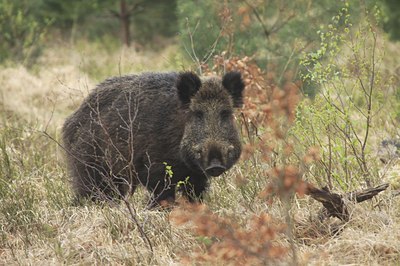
x=231 y=243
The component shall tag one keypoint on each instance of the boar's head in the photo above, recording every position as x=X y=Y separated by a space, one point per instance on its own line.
x=210 y=142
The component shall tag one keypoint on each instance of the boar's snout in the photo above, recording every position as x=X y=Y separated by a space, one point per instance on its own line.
x=215 y=168
x=215 y=163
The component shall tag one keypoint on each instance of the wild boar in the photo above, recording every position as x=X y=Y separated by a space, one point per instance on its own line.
x=130 y=128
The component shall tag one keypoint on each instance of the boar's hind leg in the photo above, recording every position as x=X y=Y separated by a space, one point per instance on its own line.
x=95 y=182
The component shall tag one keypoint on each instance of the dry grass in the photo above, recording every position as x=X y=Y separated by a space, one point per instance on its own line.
x=40 y=225
x=370 y=238
x=66 y=75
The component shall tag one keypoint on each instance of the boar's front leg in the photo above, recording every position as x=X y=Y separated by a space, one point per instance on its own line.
x=162 y=195
x=193 y=189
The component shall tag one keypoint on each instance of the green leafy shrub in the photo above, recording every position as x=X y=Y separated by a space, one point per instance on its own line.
x=22 y=31
x=275 y=33
x=340 y=119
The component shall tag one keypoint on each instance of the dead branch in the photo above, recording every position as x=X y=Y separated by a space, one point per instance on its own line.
x=360 y=196
x=335 y=204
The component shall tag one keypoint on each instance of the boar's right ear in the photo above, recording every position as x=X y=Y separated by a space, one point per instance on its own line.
x=232 y=81
x=188 y=84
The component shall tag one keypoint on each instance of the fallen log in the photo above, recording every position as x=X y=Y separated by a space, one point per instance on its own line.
x=336 y=204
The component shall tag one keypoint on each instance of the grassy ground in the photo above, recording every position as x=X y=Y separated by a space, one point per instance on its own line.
x=39 y=223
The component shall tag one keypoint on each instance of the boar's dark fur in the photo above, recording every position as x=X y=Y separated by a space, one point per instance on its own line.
x=129 y=127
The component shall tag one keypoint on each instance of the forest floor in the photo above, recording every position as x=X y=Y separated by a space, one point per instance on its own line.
x=40 y=225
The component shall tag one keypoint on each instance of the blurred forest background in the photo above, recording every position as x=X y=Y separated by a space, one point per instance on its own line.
x=273 y=32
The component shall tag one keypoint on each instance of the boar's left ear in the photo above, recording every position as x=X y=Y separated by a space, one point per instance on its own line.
x=232 y=81
x=188 y=84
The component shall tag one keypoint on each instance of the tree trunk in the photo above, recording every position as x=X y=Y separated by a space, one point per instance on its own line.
x=124 y=16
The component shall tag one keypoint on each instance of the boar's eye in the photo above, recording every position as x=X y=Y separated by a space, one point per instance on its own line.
x=225 y=114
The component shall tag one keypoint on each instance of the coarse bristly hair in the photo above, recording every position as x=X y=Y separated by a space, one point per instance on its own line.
x=129 y=127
